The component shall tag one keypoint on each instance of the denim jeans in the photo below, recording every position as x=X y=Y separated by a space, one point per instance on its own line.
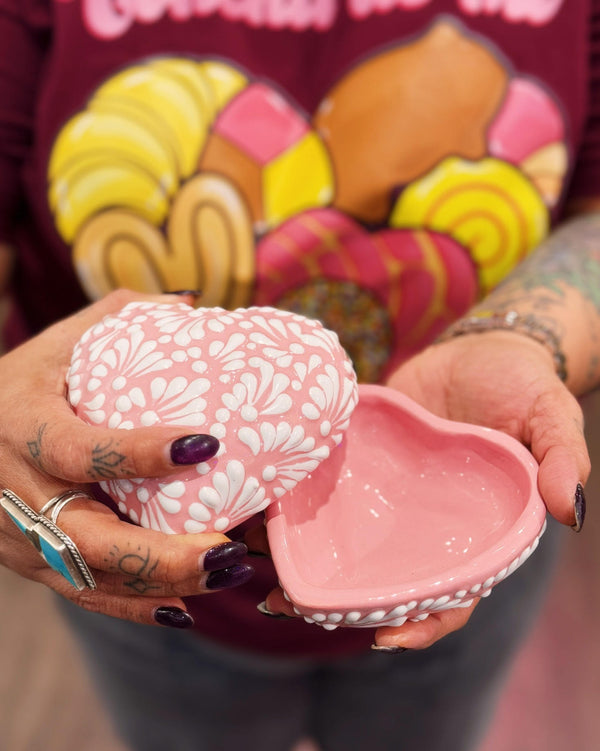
x=169 y=690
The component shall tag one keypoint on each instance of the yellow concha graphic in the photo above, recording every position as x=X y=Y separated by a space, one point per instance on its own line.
x=188 y=74
x=96 y=184
x=488 y=206
x=146 y=93
x=224 y=80
x=139 y=138
x=111 y=137
x=214 y=83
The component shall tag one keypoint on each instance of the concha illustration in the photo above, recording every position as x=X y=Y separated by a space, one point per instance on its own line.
x=276 y=388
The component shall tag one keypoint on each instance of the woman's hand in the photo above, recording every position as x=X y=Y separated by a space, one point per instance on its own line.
x=501 y=380
x=141 y=575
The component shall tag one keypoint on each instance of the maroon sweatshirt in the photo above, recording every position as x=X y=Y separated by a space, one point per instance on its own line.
x=379 y=164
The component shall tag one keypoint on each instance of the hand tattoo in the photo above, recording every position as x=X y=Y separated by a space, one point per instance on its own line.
x=137 y=566
x=106 y=462
x=35 y=447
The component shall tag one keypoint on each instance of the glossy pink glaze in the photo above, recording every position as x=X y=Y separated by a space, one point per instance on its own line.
x=275 y=388
x=409 y=508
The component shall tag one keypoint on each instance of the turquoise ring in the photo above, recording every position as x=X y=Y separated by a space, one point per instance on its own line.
x=56 y=548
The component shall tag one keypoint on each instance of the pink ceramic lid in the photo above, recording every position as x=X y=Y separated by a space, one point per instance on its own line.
x=275 y=388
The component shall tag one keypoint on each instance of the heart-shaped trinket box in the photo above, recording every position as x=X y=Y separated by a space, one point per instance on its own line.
x=413 y=514
x=275 y=388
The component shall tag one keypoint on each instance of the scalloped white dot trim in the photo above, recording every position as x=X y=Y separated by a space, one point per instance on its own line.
x=414 y=610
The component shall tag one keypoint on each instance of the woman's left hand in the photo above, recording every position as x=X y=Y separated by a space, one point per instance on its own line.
x=502 y=380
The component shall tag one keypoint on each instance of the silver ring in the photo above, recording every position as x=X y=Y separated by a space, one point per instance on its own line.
x=56 y=548
x=59 y=501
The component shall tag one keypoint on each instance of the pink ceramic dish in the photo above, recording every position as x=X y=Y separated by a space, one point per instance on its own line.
x=412 y=514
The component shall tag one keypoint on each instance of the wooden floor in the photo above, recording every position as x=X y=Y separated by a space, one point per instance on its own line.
x=550 y=704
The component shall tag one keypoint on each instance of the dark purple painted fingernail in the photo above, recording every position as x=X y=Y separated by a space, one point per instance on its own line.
x=183 y=292
x=223 y=556
x=173 y=617
x=388 y=650
x=579 y=508
x=192 y=449
x=262 y=608
x=225 y=578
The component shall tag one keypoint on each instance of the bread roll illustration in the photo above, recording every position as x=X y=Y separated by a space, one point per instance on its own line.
x=124 y=190
x=139 y=137
x=211 y=223
x=210 y=247
x=165 y=104
x=90 y=185
x=396 y=115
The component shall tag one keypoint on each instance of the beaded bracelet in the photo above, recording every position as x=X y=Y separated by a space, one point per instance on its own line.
x=526 y=324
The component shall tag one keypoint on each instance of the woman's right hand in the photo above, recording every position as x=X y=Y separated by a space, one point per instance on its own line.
x=141 y=574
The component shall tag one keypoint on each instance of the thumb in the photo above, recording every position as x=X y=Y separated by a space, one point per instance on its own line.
x=558 y=444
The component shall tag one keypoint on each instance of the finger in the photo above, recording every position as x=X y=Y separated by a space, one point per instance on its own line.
x=218 y=569
x=65 y=447
x=277 y=606
x=558 y=444
x=152 y=611
x=122 y=549
x=412 y=635
x=202 y=584
x=422 y=634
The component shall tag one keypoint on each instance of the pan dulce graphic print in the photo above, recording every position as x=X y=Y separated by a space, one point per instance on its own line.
x=384 y=213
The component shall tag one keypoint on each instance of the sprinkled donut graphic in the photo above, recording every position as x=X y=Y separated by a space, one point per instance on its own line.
x=388 y=293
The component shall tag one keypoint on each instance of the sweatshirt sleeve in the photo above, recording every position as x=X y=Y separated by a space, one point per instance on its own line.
x=24 y=31
x=586 y=177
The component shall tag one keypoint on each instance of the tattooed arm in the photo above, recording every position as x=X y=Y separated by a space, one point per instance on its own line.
x=507 y=381
x=559 y=284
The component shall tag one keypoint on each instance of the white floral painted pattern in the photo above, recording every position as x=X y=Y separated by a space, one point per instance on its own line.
x=276 y=388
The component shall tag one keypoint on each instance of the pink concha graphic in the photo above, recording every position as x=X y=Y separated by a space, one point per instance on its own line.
x=261 y=123
x=276 y=388
x=527 y=120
